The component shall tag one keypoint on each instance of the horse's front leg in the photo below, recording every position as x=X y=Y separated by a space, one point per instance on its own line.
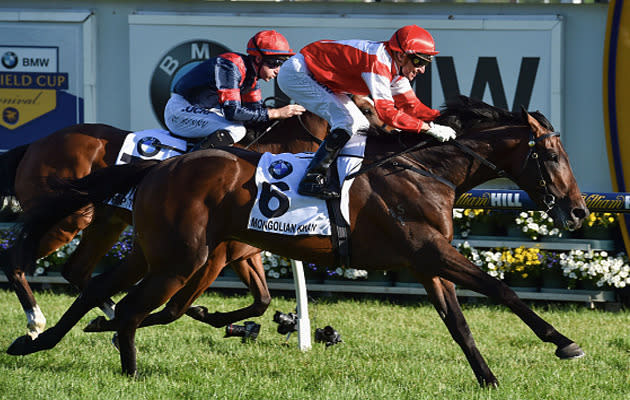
x=442 y=294
x=456 y=268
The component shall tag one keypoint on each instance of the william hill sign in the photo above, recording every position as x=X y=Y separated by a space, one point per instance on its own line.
x=519 y=200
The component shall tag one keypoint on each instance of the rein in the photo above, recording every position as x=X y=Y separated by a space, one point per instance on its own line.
x=270 y=127
x=548 y=198
x=313 y=137
x=266 y=131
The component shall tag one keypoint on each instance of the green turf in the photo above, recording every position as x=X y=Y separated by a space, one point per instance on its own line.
x=390 y=351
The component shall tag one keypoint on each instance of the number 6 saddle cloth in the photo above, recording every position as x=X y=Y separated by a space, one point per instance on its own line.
x=280 y=209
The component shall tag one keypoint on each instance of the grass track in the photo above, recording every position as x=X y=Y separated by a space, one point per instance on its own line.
x=390 y=351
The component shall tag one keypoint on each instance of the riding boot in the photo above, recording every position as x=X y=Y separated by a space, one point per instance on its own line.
x=219 y=137
x=315 y=181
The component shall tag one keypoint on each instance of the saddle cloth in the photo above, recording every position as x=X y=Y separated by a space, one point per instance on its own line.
x=145 y=145
x=279 y=208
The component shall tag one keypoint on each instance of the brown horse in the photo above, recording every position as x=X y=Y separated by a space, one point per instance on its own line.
x=76 y=151
x=187 y=209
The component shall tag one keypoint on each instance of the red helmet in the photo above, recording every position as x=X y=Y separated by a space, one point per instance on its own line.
x=269 y=44
x=412 y=39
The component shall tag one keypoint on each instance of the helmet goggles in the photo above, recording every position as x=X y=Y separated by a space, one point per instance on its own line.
x=420 y=60
x=274 y=61
x=271 y=61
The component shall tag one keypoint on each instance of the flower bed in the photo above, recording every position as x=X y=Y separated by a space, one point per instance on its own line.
x=577 y=266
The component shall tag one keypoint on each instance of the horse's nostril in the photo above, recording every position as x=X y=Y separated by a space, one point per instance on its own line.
x=579 y=213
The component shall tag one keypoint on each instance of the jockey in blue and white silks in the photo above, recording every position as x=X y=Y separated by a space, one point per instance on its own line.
x=219 y=96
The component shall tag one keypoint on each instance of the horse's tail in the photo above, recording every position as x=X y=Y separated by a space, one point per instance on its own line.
x=68 y=197
x=9 y=161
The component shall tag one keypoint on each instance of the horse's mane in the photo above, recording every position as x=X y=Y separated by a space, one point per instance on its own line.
x=463 y=114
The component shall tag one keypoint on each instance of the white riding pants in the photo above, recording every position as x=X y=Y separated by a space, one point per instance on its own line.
x=339 y=110
x=190 y=121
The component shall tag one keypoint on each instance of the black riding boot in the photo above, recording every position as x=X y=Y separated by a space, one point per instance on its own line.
x=219 y=137
x=315 y=180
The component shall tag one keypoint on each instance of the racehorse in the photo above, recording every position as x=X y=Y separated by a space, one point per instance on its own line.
x=187 y=209
x=74 y=152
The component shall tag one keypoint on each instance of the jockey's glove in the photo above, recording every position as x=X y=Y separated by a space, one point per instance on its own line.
x=442 y=133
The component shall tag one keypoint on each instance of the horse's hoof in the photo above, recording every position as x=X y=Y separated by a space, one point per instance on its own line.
x=95 y=325
x=491 y=384
x=21 y=346
x=570 y=351
x=197 y=312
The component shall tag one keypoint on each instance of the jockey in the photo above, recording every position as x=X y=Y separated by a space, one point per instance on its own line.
x=324 y=72
x=219 y=96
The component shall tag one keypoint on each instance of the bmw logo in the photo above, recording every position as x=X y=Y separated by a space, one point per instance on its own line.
x=279 y=169
x=9 y=60
x=148 y=146
x=173 y=65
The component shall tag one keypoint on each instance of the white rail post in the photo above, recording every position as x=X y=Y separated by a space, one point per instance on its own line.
x=304 y=323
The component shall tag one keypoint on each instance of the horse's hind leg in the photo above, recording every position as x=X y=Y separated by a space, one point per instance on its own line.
x=176 y=306
x=150 y=293
x=35 y=319
x=58 y=236
x=442 y=294
x=95 y=242
x=252 y=273
x=459 y=270
x=196 y=285
x=98 y=288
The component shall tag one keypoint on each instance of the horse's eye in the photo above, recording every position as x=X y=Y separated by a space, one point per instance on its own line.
x=553 y=157
x=366 y=111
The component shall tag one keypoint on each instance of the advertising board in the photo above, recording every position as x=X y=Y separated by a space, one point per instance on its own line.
x=43 y=69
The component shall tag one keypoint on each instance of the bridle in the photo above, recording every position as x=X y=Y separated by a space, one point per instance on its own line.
x=548 y=198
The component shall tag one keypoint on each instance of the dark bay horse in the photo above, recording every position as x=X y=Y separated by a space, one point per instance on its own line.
x=74 y=152
x=189 y=207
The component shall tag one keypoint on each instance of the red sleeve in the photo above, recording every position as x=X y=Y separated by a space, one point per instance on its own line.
x=395 y=117
x=409 y=103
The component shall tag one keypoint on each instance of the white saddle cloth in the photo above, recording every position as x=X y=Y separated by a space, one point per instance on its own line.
x=145 y=145
x=279 y=208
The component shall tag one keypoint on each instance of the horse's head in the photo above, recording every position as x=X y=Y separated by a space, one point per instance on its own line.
x=546 y=175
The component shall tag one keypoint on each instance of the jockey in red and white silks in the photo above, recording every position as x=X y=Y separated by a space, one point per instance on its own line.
x=220 y=95
x=324 y=72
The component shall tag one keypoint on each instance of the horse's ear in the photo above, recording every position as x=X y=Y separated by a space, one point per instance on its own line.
x=524 y=113
x=531 y=121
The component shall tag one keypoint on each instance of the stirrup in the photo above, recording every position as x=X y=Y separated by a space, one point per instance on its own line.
x=316 y=185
